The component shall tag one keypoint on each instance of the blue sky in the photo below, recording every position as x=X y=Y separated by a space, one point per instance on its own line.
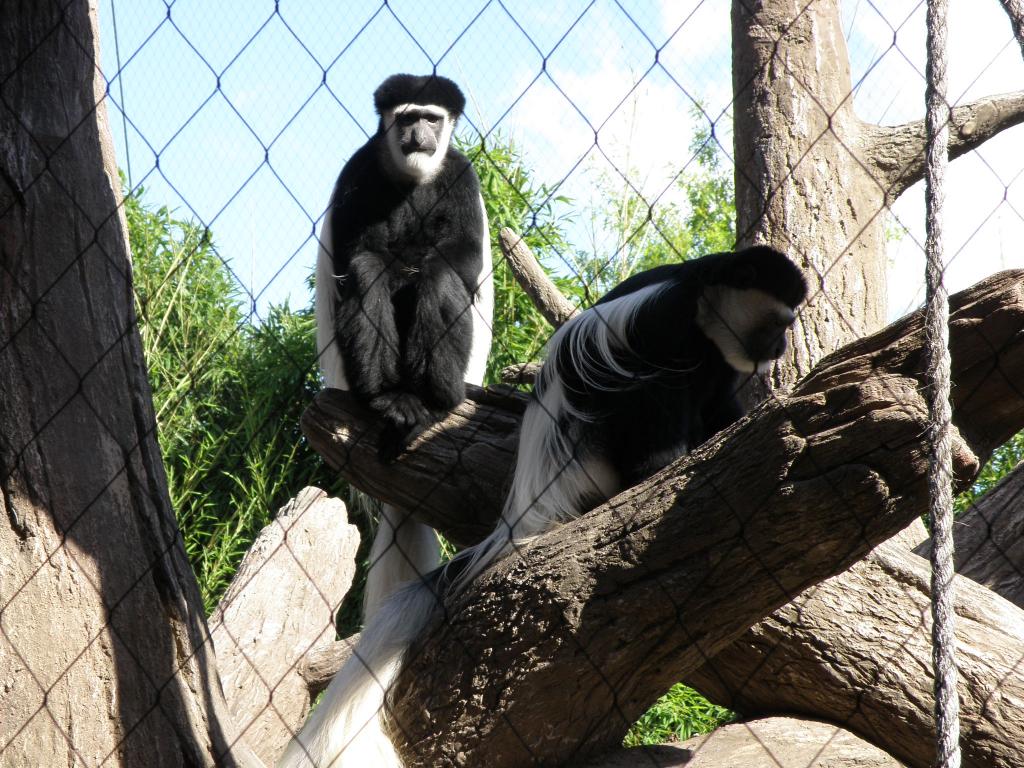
x=241 y=116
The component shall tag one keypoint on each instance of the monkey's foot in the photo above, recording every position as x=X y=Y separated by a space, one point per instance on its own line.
x=404 y=417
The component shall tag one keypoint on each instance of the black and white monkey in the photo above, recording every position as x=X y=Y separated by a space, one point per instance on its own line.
x=629 y=385
x=404 y=295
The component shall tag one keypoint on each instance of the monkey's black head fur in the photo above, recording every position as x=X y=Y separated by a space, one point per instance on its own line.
x=419 y=89
x=760 y=266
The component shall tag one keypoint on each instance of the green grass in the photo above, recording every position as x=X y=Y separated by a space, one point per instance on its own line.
x=678 y=715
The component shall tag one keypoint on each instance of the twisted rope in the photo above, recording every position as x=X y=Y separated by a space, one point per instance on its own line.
x=940 y=475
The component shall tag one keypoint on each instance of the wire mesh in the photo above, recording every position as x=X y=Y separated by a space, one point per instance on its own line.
x=612 y=136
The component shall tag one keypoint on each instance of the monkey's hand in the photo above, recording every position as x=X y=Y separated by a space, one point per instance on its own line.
x=404 y=416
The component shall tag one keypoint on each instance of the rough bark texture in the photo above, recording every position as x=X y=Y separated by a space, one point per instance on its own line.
x=453 y=475
x=279 y=607
x=990 y=539
x=898 y=153
x=856 y=650
x=801 y=181
x=104 y=651
x=707 y=547
x=520 y=373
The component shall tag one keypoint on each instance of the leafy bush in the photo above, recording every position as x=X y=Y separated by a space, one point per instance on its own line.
x=678 y=715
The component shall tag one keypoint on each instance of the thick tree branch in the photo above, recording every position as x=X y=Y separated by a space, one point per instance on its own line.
x=455 y=474
x=520 y=373
x=897 y=153
x=856 y=650
x=732 y=511
x=990 y=539
x=534 y=281
x=707 y=548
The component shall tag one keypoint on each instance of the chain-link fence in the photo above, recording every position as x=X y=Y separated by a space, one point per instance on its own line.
x=609 y=138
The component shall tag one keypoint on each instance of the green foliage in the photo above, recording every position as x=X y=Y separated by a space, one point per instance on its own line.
x=513 y=200
x=227 y=392
x=699 y=218
x=678 y=715
x=1003 y=460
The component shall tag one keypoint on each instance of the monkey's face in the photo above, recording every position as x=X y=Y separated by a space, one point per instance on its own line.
x=746 y=324
x=417 y=138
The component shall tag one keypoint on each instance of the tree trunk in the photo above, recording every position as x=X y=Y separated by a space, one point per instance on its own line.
x=104 y=651
x=816 y=181
x=800 y=185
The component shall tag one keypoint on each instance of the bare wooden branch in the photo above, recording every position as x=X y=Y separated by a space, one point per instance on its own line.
x=990 y=539
x=323 y=662
x=1015 y=10
x=454 y=474
x=897 y=153
x=520 y=373
x=538 y=286
x=856 y=650
x=707 y=547
x=279 y=608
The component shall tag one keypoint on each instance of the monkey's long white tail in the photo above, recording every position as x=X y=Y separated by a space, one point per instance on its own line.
x=346 y=730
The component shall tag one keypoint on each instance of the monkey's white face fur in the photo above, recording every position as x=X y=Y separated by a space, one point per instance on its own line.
x=747 y=325
x=417 y=137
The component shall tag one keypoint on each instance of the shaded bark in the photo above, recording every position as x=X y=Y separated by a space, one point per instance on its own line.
x=767 y=742
x=104 y=649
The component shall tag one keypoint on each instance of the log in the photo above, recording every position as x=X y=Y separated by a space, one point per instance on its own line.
x=707 y=547
x=279 y=607
x=763 y=743
x=455 y=474
x=989 y=539
x=856 y=650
